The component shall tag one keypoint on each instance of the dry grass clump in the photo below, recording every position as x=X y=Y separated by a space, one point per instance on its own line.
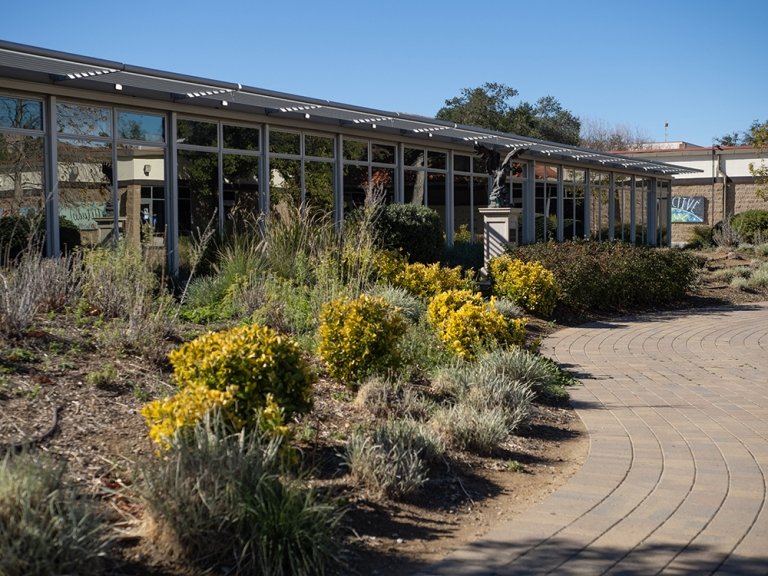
x=46 y=527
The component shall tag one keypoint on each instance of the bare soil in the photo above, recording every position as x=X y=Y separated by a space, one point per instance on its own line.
x=58 y=374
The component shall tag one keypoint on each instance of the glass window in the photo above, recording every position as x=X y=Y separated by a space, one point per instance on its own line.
x=356 y=150
x=284 y=142
x=241 y=187
x=83 y=120
x=138 y=126
x=141 y=197
x=414 y=186
x=382 y=153
x=20 y=113
x=413 y=157
x=318 y=181
x=85 y=174
x=355 y=183
x=198 y=183
x=479 y=164
x=241 y=138
x=196 y=133
x=438 y=160
x=461 y=163
x=318 y=146
x=21 y=174
x=284 y=181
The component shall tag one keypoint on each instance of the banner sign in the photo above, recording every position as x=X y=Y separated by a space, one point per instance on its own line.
x=688 y=209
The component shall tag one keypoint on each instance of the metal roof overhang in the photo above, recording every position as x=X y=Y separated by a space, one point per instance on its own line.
x=45 y=66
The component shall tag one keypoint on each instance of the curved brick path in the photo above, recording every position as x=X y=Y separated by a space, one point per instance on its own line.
x=675 y=483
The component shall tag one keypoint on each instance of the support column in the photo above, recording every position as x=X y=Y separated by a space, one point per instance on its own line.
x=500 y=229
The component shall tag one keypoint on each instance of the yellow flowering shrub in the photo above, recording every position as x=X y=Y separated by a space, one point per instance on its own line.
x=256 y=359
x=529 y=284
x=466 y=323
x=359 y=337
x=255 y=375
x=422 y=280
x=164 y=417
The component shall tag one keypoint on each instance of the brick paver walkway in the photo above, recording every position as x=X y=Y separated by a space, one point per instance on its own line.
x=676 y=407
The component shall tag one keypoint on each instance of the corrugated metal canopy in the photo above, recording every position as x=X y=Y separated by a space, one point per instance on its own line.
x=41 y=65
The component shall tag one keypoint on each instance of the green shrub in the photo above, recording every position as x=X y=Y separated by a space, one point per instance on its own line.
x=248 y=371
x=466 y=323
x=749 y=224
x=614 y=276
x=701 y=237
x=45 y=526
x=416 y=230
x=15 y=232
x=359 y=337
x=422 y=351
x=220 y=500
x=528 y=284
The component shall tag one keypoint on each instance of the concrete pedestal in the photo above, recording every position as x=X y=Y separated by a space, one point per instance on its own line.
x=499 y=231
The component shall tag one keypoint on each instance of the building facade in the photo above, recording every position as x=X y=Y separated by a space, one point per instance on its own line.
x=721 y=186
x=152 y=156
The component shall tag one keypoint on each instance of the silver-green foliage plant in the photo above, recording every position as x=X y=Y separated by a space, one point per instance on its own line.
x=411 y=307
x=46 y=527
x=392 y=460
x=221 y=500
x=467 y=426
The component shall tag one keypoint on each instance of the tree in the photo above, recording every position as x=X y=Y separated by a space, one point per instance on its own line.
x=604 y=137
x=759 y=170
x=757 y=136
x=490 y=106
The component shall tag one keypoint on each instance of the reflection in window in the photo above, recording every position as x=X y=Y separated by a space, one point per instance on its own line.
x=83 y=120
x=318 y=181
x=545 y=177
x=382 y=153
x=284 y=181
x=436 y=195
x=413 y=157
x=21 y=174
x=85 y=174
x=241 y=187
x=318 y=146
x=415 y=186
x=241 y=138
x=622 y=206
x=599 y=193
x=196 y=133
x=461 y=163
x=355 y=150
x=480 y=195
x=198 y=183
x=141 y=196
x=284 y=142
x=21 y=113
x=138 y=126
x=355 y=183
x=437 y=160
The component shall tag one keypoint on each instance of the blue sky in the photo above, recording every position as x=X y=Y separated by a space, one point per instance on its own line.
x=699 y=65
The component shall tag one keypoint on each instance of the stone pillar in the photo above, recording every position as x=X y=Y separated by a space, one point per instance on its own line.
x=499 y=231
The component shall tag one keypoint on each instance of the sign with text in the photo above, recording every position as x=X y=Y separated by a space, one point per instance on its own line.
x=688 y=209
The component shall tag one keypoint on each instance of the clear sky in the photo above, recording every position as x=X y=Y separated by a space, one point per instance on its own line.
x=699 y=65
